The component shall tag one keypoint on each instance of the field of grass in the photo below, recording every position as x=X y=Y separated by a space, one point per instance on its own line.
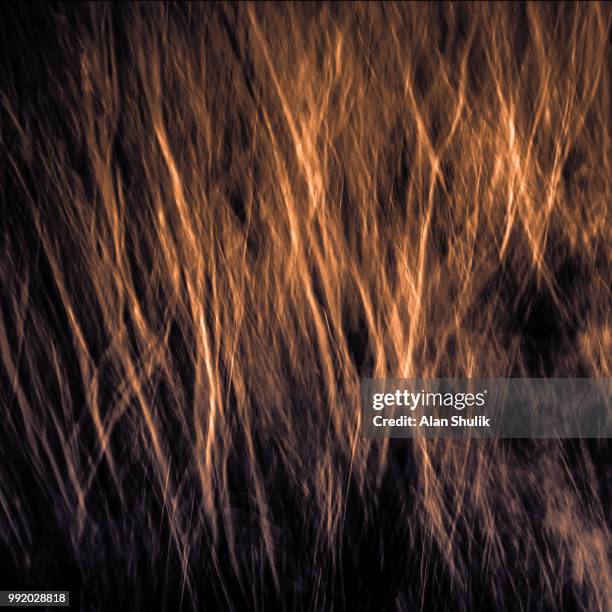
x=215 y=219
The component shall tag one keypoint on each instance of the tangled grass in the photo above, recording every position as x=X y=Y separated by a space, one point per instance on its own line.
x=216 y=219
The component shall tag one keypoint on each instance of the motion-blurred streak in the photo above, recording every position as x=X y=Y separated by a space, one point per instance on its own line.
x=217 y=218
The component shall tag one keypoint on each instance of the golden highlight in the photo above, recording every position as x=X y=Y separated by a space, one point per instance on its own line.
x=217 y=218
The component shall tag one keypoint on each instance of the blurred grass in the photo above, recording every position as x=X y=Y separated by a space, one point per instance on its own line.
x=217 y=218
